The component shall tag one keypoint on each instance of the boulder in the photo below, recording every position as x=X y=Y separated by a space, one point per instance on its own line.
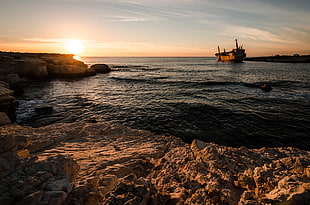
x=101 y=68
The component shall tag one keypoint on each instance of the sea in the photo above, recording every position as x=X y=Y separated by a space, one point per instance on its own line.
x=187 y=97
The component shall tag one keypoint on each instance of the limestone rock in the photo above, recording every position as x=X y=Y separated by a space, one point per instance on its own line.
x=102 y=163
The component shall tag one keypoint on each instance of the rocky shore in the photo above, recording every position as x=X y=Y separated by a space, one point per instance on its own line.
x=101 y=163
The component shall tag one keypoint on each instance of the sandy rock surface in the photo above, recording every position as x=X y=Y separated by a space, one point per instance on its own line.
x=100 y=163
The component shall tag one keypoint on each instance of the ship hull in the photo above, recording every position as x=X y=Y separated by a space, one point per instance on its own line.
x=236 y=55
x=224 y=58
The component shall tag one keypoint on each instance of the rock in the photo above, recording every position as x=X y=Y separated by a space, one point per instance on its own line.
x=59 y=185
x=101 y=68
x=54 y=197
x=113 y=164
x=15 y=83
x=13 y=142
x=266 y=87
x=13 y=79
x=68 y=71
x=44 y=109
x=7 y=102
x=137 y=192
x=290 y=190
x=4 y=119
x=41 y=66
x=32 y=68
x=23 y=154
x=41 y=182
x=33 y=198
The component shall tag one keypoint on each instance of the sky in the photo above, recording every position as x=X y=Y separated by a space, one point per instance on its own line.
x=156 y=27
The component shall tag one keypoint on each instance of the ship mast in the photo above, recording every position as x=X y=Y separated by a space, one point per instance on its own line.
x=218 y=48
x=237 y=47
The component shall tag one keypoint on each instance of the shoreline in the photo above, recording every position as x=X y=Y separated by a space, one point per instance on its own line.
x=281 y=59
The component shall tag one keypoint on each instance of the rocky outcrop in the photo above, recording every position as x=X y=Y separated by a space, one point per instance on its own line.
x=7 y=104
x=119 y=165
x=101 y=68
x=42 y=65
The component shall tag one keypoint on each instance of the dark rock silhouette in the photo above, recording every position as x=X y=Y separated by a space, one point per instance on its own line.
x=101 y=68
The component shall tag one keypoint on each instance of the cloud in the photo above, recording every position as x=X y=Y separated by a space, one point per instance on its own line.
x=256 y=34
x=115 y=18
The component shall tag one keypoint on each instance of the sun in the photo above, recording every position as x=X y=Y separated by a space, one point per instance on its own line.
x=74 y=46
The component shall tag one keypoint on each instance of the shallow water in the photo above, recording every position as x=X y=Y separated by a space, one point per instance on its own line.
x=187 y=97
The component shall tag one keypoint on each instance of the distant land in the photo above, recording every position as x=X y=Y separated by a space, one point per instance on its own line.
x=296 y=58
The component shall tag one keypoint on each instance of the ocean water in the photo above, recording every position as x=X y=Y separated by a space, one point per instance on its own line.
x=192 y=98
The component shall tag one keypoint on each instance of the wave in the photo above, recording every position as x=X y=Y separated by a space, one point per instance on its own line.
x=186 y=82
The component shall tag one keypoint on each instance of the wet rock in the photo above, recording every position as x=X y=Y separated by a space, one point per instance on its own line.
x=101 y=68
x=44 y=109
x=266 y=87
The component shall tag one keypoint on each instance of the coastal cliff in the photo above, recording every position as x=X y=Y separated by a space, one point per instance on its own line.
x=100 y=163
x=42 y=65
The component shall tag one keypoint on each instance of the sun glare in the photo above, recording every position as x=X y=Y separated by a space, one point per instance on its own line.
x=74 y=46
